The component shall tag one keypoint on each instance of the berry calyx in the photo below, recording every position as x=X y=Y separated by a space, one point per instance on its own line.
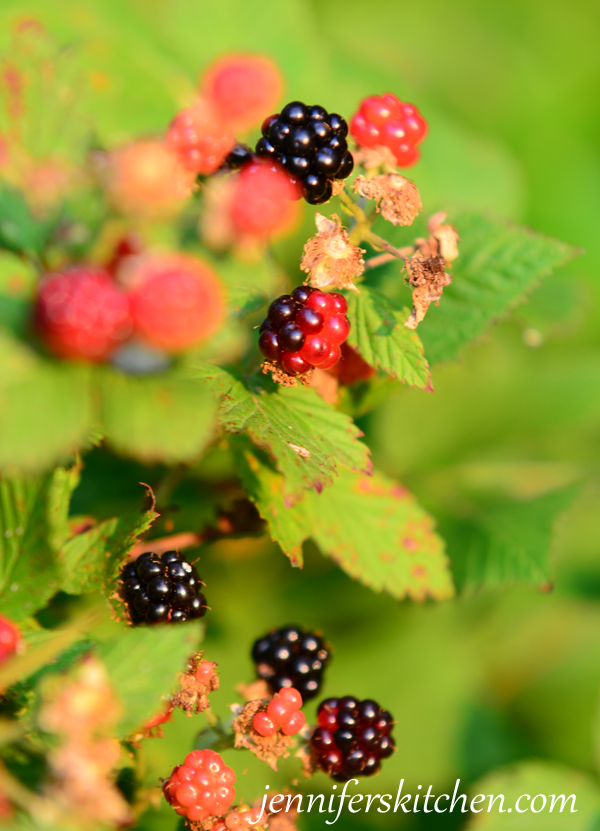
x=199 y=138
x=176 y=300
x=202 y=787
x=352 y=737
x=163 y=589
x=292 y=661
x=10 y=638
x=80 y=313
x=304 y=330
x=311 y=145
x=242 y=88
x=385 y=120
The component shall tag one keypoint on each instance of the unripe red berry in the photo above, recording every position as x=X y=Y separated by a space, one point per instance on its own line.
x=293 y=363
x=176 y=300
x=242 y=88
x=10 y=638
x=291 y=696
x=199 y=138
x=263 y=200
x=336 y=329
x=278 y=709
x=202 y=787
x=385 y=120
x=81 y=314
x=293 y=723
x=332 y=357
x=264 y=725
x=315 y=350
x=321 y=302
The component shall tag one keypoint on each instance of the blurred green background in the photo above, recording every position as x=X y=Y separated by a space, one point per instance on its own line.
x=511 y=94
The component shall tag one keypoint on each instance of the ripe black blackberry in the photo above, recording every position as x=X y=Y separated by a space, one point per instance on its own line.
x=352 y=737
x=162 y=589
x=309 y=143
x=292 y=657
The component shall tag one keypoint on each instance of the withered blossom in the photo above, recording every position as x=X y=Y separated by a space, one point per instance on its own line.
x=396 y=196
x=329 y=258
x=428 y=278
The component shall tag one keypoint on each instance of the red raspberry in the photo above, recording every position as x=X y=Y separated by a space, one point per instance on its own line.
x=305 y=329
x=202 y=787
x=283 y=711
x=146 y=178
x=264 y=725
x=81 y=313
x=176 y=300
x=293 y=723
x=199 y=138
x=10 y=638
x=385 y=120
x=262 y=201
x=242 y=88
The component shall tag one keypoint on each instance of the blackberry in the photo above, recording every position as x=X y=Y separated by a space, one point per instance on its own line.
x=162 y=589
x=238 y=157
x=292 y=657
x=304 y=329
x=309 y=143
x=352 y=737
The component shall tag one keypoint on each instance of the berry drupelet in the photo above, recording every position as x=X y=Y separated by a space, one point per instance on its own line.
x=309 y=143
x=305 y=329
x=292 y=657
x=352 y=737
x=385 y=120
x=162 y=589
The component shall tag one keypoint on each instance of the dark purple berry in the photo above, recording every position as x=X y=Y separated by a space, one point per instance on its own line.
x=150 y=569
x=267 y=123
x=302 y=293
x=317 y=113
x=158 y=589
x=298 y=165
x=170 y=557
x=323 y=132
x=268 y=343
x=313 y=186
x=301 y=141
x=346 y=167
x=265 y=148
x=181 y=596
x=282 y=661
x=338 y=125
x=291 y=338
x=327 y=161
x=198 y=606
x=282 y=310
x=295 y=113
x=310 y=321
x=157 y=613
x=278 y=132
x=238 y=157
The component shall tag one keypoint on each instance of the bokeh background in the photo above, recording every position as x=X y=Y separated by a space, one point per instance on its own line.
x=511 y=94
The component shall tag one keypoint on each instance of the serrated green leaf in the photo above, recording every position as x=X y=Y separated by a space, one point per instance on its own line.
x=525 y=781
x=33 y=526
x=511 y=543
x=46 y=411
x=379 y=334
x=308 y=439
x=161 y=418
x=498 y=264
x=142 y=664
x=90 y=561
x=370 y=525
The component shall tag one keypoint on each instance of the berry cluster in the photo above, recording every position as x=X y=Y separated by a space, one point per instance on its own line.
x=352 y=737
x=291 y=657
x=309 y=143
x=162 y=589
x=385 y=120
x=166 y=301
x=283 y=711
x=244 y=818
x=305 y=329
x=199 y=138
x=202 y=787
x=10 y=638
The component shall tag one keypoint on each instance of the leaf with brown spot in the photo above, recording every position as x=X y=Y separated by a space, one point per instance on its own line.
x=278 y=420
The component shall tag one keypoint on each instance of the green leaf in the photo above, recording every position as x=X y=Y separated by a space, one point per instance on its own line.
x=499 y=263
x=308 y=439
x=161 y=418
x=379 y=334
x=46 y=410
x=371 y=526
x=90 y=561
x=33 y=526
x=528 y=779
x=20 y=231
x=511 y=542
x=142 y=664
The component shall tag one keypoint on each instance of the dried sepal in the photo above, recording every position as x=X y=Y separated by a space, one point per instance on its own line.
x=257 y=689
x=329 y=258
x=281 y=377
x=267 y=748
x=373 y=157
x=428 y=277
x=396 y=196
x=195 y=685
x=444 y=237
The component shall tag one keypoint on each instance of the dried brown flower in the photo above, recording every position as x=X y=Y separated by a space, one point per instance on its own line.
x=195 y=684
x=428 y=278
x=330 y=258
x=267 y=748
x=281 y=377
x=397 y=197
x=379 y=156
